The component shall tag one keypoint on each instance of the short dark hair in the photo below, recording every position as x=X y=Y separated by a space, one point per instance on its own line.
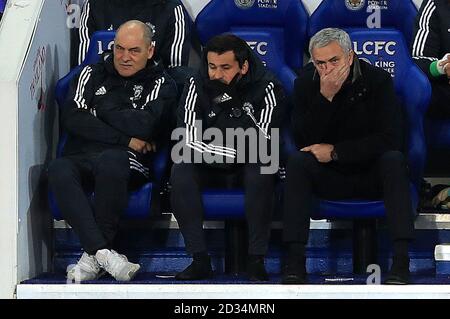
x=229 y=42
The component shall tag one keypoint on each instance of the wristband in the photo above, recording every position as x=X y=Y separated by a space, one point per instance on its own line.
x=437 y=70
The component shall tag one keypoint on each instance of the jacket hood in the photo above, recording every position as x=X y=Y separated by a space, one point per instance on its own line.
x=256 y=70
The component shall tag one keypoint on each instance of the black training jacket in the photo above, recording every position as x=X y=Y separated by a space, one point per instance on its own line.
x=363 y=120
x=105 y=110
x=431 y=35
x=169 y=18
x=256 y=100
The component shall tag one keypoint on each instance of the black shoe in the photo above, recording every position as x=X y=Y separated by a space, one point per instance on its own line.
x=197 y=270
x=256 y=270
x=294 y=272
x=399 y=274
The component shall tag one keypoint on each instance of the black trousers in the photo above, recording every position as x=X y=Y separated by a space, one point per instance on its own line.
x=439 y=107
x=108 y=174
x=307 y=179
x=188 y=180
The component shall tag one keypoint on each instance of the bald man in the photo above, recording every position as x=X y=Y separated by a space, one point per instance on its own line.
x=169 y=21
x=114 y=118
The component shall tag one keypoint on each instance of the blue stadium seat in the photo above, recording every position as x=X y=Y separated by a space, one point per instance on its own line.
x=101 y=41
x=141 y=200
x=396 y=14
x=277 y=34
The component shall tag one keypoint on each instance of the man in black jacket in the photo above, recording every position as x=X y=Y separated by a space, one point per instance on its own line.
x=347 y=129
x=233 y=91
x=114 y=116
x=169 y=21
x=431 y=51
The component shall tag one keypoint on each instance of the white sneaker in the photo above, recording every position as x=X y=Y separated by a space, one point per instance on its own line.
x=87 y=268
x=116 y=265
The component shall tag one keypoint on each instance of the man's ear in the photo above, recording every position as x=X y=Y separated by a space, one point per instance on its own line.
x=351 y=56
x=151 y=51
x=244 y=68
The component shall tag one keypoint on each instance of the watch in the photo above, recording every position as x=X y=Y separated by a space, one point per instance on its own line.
x=334 y=155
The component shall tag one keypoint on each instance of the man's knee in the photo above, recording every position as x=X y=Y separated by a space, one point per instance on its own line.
x=114 y=164
x=60 y=171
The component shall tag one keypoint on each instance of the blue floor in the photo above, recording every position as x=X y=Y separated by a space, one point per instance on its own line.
x=161 y=253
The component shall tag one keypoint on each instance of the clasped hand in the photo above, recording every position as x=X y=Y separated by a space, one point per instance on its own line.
x=322 y=152
x=331 y=82
x=141 y=146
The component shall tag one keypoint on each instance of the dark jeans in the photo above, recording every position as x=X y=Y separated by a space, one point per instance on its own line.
x=108 y=174
x=188 y=180
x=307 y=178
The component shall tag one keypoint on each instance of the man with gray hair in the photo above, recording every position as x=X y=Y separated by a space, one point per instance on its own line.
x=115 y=113
x=347 y=127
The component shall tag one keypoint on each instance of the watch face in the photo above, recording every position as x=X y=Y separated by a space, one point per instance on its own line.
x=334 y=156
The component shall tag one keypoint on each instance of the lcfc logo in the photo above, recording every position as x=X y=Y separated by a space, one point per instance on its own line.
x=244 y=4
x=354 y=4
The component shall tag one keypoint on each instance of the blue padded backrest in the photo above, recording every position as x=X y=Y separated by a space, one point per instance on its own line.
x=387 y=49
x=2 y=5
x=397 y=14
x=276 y=32
x=101 y=41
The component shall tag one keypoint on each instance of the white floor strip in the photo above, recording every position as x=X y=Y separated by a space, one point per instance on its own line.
x=200 y=291
x=423 y=221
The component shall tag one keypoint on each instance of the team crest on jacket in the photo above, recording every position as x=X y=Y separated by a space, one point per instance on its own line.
x=244 y=4
x=137 y=92
x=354 y=4
x=211 y=114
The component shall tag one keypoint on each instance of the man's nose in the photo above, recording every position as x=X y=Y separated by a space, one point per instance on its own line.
x=328 y=67
x=125 y=56
x=217 y=74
